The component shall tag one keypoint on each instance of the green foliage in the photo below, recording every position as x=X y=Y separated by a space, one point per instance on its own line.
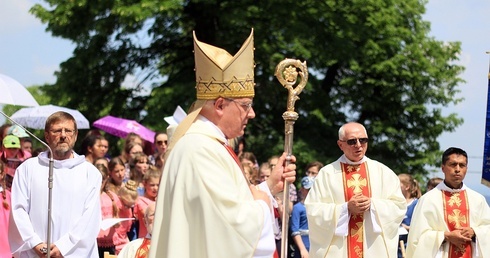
x=369 y=61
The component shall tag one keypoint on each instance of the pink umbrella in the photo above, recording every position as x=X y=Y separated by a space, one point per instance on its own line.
x=122 y=127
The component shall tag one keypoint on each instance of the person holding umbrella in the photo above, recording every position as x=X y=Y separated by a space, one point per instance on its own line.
x=75 y=214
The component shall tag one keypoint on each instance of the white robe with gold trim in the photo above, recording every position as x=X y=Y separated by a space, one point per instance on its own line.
x=327 y=212
x=428 y=226
x=204 y=205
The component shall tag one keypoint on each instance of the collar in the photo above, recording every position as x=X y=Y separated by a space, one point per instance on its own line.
x=222 y=137
x=344 y=159
x=443 y=187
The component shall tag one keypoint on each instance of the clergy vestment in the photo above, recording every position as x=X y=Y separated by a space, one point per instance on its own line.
x=204 y=206
x=76 y=212
x=137 y=248
x=328 y=216
x=426 y=237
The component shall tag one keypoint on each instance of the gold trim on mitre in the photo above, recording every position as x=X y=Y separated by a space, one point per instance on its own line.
x=219 y=74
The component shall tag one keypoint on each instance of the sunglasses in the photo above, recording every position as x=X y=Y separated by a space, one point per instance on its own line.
x=354 y=141
x=161 y=142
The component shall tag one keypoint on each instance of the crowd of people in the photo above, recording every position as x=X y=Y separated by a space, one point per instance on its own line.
x=196 y=195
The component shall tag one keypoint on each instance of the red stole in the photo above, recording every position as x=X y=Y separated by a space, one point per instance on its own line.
x=233 y=154
x=356 y=180
x=457 y=215
x=144 y=249
x=237 y=160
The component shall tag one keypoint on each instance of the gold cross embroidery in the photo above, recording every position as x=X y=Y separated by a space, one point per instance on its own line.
x=357 y=231
x=456 y=218
x=454 y=200
x=357 y=182
x=352 y=168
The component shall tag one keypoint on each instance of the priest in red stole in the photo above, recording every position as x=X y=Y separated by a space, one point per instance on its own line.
x=451 y=220
x=355 y=205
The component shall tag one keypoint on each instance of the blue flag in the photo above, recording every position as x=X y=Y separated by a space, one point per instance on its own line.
x=486 y=149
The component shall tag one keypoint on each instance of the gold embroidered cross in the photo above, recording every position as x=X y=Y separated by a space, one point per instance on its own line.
x=456 y=218
x=357 y=182
x=352 y=168
x=454 y=200
x=357 y=231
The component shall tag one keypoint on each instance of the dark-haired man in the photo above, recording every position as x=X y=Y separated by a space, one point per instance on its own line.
x=451 y=220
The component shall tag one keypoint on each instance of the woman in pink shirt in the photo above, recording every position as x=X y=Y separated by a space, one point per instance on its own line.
x=128 y=196
x=109 y=209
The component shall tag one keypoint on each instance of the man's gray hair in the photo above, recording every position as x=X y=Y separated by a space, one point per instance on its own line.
x=342 y=129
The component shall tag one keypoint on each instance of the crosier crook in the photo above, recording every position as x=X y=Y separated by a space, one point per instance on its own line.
x=287 y=72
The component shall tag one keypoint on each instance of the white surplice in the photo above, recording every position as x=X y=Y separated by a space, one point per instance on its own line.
x=426 y=236
x=75 y=210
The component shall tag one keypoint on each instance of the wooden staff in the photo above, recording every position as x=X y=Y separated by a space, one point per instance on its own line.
x=287 y=72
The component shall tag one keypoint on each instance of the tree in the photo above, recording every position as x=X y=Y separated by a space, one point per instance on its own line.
x=369 y=61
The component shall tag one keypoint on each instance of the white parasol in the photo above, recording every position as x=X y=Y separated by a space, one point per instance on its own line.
x=35 y=117
x=14 y=93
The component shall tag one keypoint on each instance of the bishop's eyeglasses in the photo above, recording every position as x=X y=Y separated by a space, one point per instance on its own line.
x=246 y=106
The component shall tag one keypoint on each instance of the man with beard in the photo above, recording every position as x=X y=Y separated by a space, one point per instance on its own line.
x=75 y=198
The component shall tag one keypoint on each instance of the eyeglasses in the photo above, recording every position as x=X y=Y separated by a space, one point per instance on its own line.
x=246 y=106
x=161 y=142
x=354 y=141
x=68 y=132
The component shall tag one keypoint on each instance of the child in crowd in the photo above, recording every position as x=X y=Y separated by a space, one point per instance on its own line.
x=117 y=171
x=139 y=165
x=411 y=191
x=109 y=206
x=127 y=196
x=249 y=159
x=251 y=173
x=299 y=221
x=131 y=148
x=4 y=214
x=433 y=182
x=102 y=161
x=151 y=182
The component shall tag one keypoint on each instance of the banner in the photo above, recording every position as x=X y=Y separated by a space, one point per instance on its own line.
x=486 y=148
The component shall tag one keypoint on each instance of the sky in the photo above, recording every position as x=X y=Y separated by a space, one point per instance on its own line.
x=30 y=55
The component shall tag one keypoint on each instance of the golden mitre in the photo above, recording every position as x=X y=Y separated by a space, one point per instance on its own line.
x=219 y=74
